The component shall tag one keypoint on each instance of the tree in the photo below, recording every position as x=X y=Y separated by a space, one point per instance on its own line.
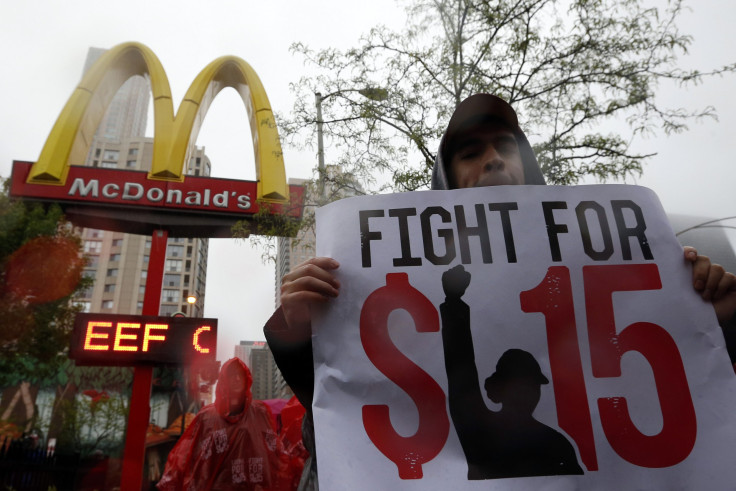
x=569 y=68
x=41 y=267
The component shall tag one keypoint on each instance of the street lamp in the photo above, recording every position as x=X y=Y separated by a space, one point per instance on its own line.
x=373 y=93
x=320 y=145
x=191 y=300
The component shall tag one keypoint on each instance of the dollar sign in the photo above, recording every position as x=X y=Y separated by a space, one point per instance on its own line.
x=408 y=453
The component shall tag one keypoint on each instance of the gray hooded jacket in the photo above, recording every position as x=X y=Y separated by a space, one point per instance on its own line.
x=484 y=106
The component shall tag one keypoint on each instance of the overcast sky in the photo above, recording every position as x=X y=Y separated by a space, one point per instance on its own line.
x=44 y=45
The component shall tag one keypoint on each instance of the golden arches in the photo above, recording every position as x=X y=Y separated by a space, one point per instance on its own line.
x=71 y=136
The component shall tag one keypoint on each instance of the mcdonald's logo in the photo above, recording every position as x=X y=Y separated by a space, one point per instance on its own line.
x=198 y=207
x=71 y=135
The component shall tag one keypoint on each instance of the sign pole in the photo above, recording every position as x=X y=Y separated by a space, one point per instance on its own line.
x=140 y=400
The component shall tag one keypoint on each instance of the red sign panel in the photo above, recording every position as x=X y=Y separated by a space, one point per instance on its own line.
x=130 y=340
x=104 y=198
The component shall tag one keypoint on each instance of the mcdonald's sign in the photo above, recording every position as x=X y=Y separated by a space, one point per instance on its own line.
x=191 y=207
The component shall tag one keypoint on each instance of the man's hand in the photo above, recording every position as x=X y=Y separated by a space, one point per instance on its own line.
x=714 y=284
x=310 y=282
x=455 y=281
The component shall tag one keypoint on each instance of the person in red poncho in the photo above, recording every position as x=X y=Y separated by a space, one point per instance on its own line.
x=230 y=444
x=290 y=438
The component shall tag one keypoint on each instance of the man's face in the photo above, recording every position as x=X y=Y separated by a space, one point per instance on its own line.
x=485 y=154
x=236 y=381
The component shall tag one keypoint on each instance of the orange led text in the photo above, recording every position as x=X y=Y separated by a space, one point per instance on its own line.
x=91 y=334
x=195 y=340
x=127 y=337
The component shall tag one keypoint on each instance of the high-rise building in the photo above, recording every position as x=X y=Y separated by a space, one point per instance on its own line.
x=245 y=348
x=118 y=262
x=267 y=380
x=291 y=252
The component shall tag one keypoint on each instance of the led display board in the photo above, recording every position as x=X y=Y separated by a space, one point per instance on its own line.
x=131 y=340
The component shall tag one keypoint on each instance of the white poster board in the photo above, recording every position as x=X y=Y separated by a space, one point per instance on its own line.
x=566 y=350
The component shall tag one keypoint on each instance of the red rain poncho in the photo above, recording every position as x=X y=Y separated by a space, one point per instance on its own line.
x=222 y=451
x=290 y=439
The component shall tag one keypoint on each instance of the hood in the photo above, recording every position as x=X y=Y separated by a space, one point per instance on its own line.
x=479 y=105
x=222 y=392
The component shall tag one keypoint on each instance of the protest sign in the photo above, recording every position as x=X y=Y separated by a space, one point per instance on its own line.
x=517 y=336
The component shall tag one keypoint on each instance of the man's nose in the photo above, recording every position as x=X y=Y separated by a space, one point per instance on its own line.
x=492 y=160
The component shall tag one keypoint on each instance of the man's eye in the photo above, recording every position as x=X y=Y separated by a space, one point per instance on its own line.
x=507 y=146
x=470 y=152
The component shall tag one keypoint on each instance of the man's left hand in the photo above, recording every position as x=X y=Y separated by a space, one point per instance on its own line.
x=714 y=284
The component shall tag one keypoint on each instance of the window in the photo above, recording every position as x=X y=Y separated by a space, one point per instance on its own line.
x=117 y=242
x=92 y=261
x=132 y=152
x=139 y=306
x=172 y=280
x=107 y=304
x=85 y=306
x=112 y=272
x=146 y=258
x=168 y=309
x=142 y=290
x=169 y=295
x=110 y=288
x=131 y=164
x=144 y=274
x=107 y=164
x=173 y=265
x=175 y=250
x=115 y=257
x=97 y=152
x=111 y=155
x=94 y=233
x=92 y=246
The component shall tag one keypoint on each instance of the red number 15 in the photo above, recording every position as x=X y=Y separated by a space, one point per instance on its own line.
x=553 y=298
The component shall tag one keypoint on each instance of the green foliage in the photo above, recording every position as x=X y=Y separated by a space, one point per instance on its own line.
x=34 y=335
x=270 y=221
x=570 y=69
x=20 y=222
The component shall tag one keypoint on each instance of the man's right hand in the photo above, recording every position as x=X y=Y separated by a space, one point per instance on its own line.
x=311 y=282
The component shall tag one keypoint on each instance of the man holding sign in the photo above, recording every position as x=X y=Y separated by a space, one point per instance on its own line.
x=483 y=146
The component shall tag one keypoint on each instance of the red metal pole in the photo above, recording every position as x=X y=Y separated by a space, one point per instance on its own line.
x=140 y=399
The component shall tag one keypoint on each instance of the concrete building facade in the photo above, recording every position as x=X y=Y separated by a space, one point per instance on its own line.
x=267 y=380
